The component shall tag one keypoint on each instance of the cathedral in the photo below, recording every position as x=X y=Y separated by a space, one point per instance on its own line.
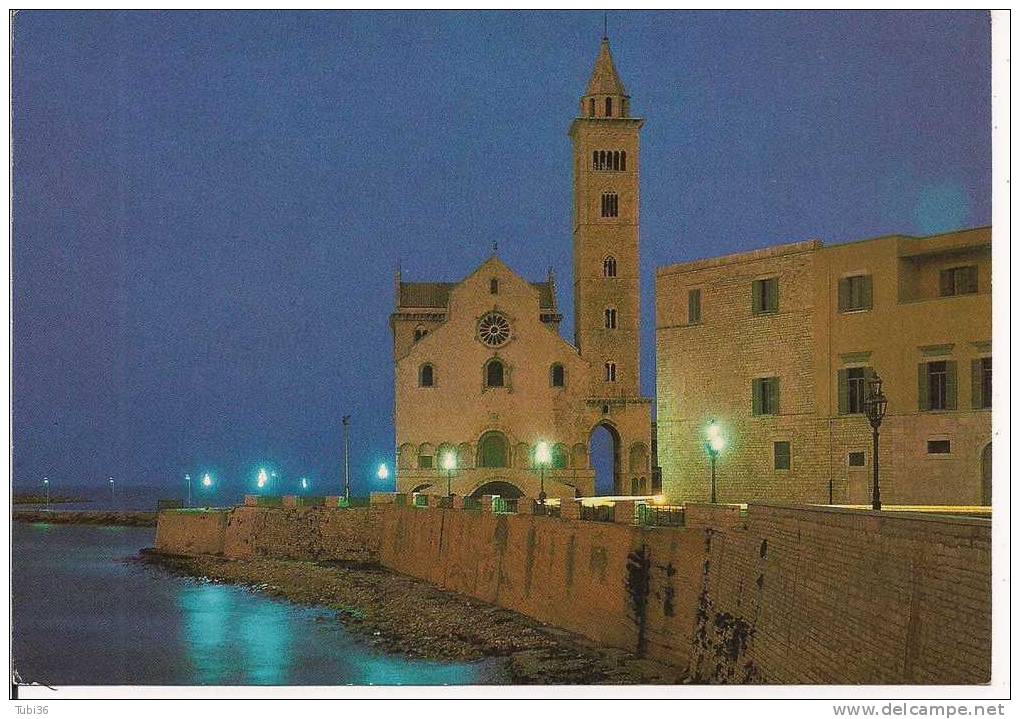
x=490 y=399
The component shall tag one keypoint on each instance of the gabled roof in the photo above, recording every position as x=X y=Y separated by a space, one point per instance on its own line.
x=437 y=294
x=604 y=80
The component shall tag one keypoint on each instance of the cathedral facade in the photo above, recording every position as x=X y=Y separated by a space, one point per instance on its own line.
x=489 y=398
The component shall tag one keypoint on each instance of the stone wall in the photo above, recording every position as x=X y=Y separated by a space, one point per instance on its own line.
x=777 y=595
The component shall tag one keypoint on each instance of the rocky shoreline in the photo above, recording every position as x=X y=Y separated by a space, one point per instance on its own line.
x=407 y=616
x=95 y=518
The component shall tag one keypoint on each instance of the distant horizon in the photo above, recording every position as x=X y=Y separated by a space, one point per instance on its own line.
x=209 y=207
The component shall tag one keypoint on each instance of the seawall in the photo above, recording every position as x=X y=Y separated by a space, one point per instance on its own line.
x=779 y=595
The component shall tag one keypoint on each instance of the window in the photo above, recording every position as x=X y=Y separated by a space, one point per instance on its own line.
x=938 y=446
x=855 y=293
x=609 y=160
x=610 y=316
x=610 y=204
x=426 y=376
x=494 y=374
x=855 y=459
x=693 y=307
x=610 y=372
x=609 y=107
x=591 y=107
x=556 y=375
x=981 y=383
x=936 y=385
x=493 y=286
x=781 y=454
x=609 y=267
x=493 y=450
x=765 y=396
x=419 y=332
x=623 y=160
x=853 y=389
x=424 y=461
x=765 y=296
x=958 y=281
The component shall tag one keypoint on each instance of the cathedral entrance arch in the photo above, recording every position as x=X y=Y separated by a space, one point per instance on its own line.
x=503 y=489
x=604 y=456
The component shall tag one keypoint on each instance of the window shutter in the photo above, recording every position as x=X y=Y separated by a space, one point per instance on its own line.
x=975 y=384
x=971 y=274
x=945 y=283
x=756 y=396
x=923 y=403
x=756 y=297
x=772 y=287
x=774 y=395
x=950 y=384
x=866 y=292
x=844 y=294
x=843 y=391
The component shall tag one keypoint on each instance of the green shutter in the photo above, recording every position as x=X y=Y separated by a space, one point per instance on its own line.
x=756 y=297
x=866 y=292
x=772 y=288
x=843 y=391
x=950 y=384
x=756 y=396
x=844 y=294
x=971 y=275
x=922 y=387
x=975 y=384
x=946 y=283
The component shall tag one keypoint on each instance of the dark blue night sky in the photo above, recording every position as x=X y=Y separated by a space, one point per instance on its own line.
x=209 y=208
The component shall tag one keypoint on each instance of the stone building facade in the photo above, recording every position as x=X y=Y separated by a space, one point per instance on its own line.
x=777 y=346
x=482 y=373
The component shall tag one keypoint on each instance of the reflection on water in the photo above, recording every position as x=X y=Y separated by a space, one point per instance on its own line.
x=84 y=616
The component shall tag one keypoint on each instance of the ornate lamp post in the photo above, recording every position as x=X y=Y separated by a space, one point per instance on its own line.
x=714 y=444
x=543 y=457
x=46 y=484
x=874 y=408
x=449 y=465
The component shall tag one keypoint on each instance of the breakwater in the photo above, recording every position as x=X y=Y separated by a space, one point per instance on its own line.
x=779 y=594
x=108 y=519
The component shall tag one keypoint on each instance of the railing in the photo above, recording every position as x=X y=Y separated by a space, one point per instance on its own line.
x=652 y=515
x=598 y=513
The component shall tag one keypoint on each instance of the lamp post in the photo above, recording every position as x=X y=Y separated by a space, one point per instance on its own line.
x=542 y=458
x=113 y=491
x=874 y=408
x=714 y=444
x=46 y=486
x=347 y=475
x=304 y=484
x=384 y=473
x=206 y=484
x=187 y=479
x=449 y=465
x=262 y=479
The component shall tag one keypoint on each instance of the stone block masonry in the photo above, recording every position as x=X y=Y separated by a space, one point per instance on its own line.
x=781 y=594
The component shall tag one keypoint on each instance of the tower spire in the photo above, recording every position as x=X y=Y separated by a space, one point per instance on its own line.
x=605 y=25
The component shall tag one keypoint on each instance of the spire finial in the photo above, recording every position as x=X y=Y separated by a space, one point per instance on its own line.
x=495 y=248
x=605 y=25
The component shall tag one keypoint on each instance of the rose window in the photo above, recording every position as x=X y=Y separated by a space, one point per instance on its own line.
x=494 y=329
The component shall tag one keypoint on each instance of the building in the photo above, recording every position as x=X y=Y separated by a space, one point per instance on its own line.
x=777 y=346
x=482 y=374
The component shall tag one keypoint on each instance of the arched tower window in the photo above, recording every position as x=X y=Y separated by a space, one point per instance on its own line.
x=591 y=107
x=610 y=372
x=610 y=204
x=609 y=107
x=494 y=374
x=609 y=267
x=493 y=286
x=426 y=376
x=610 y=316
x=616 y=160
x=623 y=160
x=493 y=449
x=556 y=375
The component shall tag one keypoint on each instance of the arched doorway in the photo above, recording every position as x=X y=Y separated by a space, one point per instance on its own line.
x=493 y=450
x=986 y=475
x=604 y=456
x=503 y=489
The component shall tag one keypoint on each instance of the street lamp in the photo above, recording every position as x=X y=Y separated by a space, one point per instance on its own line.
x=187 y=478
x=263 y=478
x=449 y=464
x=384 y=473
x=304 y=484
x=874 y=408
x=206 y=484
x=542 y=458
x=113 y=491
x=713 y=445
x=46 y=485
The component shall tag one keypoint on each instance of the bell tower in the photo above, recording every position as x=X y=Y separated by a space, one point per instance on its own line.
x=606 y=273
